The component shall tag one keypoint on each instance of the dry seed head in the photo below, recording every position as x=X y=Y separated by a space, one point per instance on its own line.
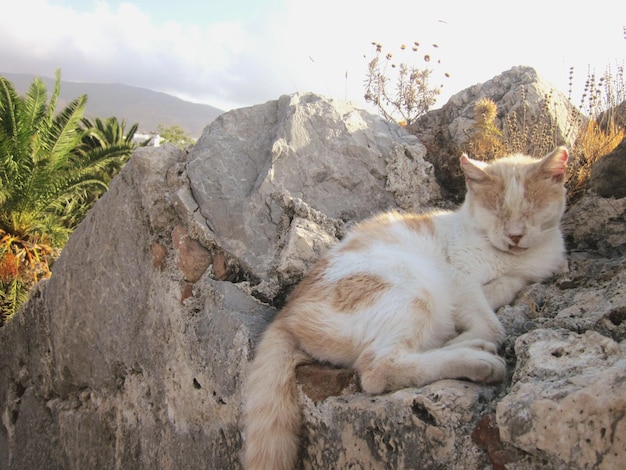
x=485 y=110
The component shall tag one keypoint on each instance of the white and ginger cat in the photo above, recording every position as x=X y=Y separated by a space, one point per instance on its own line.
x=408 y=299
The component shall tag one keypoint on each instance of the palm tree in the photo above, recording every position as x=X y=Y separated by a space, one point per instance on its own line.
x=46 y=168
x=106 y=141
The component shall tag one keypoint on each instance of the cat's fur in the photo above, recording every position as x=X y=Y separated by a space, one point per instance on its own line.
x=409 y=299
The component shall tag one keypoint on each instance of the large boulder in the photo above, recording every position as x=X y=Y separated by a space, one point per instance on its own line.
x=132 y=355
x=274 y=184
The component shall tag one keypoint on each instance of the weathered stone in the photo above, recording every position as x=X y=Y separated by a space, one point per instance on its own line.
x=186 y=292
x=597 y=224
x=159 y=252
x=608 y=175
x=487 y=435
x=319 y=382
x=304 y=242
x=300 y=147
x=105 y=368
x=221 y=270
x=411 y=182
x=568 y=401
x=193 y=258
x=427 y=428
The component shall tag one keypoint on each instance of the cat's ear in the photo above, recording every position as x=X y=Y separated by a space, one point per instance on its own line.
x=554 y=165
x=473 y=169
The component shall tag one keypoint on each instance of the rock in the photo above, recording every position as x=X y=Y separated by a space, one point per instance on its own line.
x=608 y=174
x=487 y=435
x=193 y=258
x=519 y=93
x=427 y=428
x=592 y=216
x=251 y=164
x=567 y=404
x=132 y=354
x=615 y=115
x=318 y=382
x=104 y=367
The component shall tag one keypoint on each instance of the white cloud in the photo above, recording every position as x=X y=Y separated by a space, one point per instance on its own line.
x=121 y=45
x=302 y=46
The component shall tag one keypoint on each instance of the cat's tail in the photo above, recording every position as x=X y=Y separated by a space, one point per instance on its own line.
x=271 y=416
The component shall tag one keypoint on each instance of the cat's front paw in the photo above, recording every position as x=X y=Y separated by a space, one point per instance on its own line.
x=487 y=367
x=479 y=344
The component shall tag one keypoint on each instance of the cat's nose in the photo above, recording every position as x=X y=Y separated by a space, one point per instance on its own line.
x=515 y=238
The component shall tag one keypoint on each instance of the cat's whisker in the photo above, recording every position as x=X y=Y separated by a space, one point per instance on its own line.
x=550 y=229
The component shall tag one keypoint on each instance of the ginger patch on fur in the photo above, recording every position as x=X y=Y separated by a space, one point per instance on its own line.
x=353 y=292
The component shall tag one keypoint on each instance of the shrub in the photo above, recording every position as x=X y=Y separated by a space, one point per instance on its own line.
x=401 y=92
x=485 y=139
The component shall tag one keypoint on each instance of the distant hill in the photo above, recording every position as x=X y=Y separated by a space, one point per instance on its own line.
x=135 y=105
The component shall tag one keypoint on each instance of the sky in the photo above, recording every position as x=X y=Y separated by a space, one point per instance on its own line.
x=236 y=53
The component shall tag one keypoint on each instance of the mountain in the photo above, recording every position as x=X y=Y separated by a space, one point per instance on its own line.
x=135 y=105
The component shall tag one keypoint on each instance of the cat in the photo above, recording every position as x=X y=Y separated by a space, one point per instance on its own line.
x=407 y=299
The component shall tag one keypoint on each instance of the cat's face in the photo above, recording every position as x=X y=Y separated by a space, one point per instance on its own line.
x=517 y=200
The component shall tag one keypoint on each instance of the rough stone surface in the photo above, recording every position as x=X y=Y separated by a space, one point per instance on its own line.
x=133 y=354
x=608 y=177
x=273 y=165
x=318 y=381
x=567 y=406
x=105 y=368
x=427 y=428
x=193 y=258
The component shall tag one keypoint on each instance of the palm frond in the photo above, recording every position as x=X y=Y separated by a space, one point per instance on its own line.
x=35 y=110
x=11 y=137
x=64 y=134
x=12 y=295
x=52 y=105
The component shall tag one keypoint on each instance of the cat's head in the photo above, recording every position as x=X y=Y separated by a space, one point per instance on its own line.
x=516 y=201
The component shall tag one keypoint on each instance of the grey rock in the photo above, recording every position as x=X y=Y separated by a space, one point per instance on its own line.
x=330 y=156
x=588 y=218
x=567 y=404
x=105 y=367
x=132 y=355
x=608 y=174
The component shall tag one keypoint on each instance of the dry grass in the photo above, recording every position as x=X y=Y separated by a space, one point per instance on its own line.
x=592 y=144
x=602 y=132
x=531 y=135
